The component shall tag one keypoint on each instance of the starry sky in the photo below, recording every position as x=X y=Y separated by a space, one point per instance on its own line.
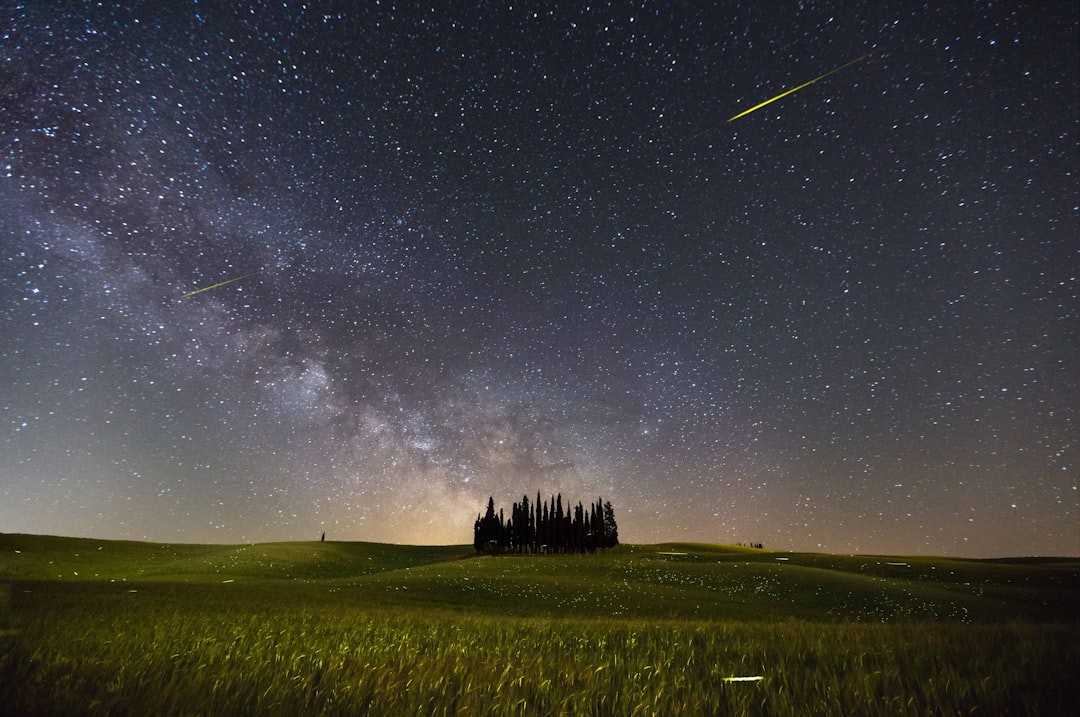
x=488 y=248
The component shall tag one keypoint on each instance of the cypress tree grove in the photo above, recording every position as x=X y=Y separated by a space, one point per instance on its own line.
x=544 y=527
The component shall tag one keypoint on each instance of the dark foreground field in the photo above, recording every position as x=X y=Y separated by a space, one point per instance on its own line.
x=104 y=627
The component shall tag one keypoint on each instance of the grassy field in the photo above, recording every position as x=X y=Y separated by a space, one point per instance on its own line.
x=105 y=627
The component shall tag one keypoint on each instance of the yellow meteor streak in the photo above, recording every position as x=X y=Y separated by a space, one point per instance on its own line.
x=805 y=84
x=208 y=288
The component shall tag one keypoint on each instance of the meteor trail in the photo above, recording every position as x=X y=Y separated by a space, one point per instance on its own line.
x=796 y=89
x=208 y=288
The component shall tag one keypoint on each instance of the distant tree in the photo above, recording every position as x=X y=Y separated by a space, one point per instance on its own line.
x=522 y=525
x=611 y=529
x=598 y=524
x=549 y=528
x=590 y=538
x=543 y=528
x=579 y=528
x=487 y=531
x=559 y=534
x=538 y=525
x=532 y=529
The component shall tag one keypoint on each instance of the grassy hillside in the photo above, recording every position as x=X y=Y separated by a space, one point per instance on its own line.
x=107 y=627
x=39 y=557
x=683 y=581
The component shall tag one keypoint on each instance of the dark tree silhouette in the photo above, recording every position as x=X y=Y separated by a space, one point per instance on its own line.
x=538 y=525
x=546 y=527
x=487 y=532
x=611 y=529
x=598 y=524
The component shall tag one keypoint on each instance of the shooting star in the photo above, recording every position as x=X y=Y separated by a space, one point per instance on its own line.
x=805 y=84
x=208 y=288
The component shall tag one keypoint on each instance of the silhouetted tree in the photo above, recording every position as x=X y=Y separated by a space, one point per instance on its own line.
x=598 y=524
x=546 y=526
x=559 y=532
x=488 y=531
x=611 y=529
x=538 y=527
x=522 y=525
x=579 y=528
x=590 y=537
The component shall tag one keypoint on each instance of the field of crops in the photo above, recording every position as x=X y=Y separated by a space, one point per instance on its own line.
x=96 y=627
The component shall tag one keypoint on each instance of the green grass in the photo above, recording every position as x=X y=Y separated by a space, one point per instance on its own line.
x=101 y=627
x=49 y=558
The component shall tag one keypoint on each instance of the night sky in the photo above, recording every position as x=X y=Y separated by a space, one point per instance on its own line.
x=493 y=250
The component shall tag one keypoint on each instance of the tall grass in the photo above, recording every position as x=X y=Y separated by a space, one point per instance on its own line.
x=174 y=660
x=98 y=627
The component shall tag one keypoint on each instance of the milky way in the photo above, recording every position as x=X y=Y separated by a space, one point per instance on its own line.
x=492 y=250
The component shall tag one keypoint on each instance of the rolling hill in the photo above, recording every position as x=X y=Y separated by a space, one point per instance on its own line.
x=102 y=627
x=675 y=580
